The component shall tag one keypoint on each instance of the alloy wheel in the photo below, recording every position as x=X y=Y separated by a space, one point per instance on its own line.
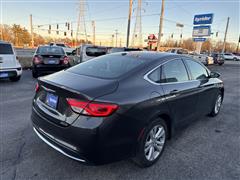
x=218 y=104
x=155 y=142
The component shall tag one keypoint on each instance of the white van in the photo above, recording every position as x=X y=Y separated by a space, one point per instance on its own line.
x=9 y=65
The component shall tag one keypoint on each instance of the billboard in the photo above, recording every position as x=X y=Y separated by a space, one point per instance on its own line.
x=203 y=19
x=200 y=31
x=199 y=39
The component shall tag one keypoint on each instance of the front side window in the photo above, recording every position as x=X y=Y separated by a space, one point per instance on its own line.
x=197 y=70
x=174 y=71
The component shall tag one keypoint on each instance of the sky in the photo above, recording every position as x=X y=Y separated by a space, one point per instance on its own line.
x=111 y=15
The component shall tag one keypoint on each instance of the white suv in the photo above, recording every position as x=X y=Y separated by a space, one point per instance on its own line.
x=230 y=56
x=9 y=65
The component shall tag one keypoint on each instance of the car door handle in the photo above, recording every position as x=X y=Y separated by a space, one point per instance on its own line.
x=175 y=91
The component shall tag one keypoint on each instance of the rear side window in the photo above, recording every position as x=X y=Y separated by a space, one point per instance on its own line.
x=95 y=51
x=174 y=71
x=109 y=66
x=155 y=75
x=6 y=49
x=197 y=70
x=48 y=50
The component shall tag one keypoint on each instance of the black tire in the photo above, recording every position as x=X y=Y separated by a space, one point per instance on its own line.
x=215 y=111
x=220 y=64
x=235 y=59
x=34 y=73
x=141 y=159
x=15 y=78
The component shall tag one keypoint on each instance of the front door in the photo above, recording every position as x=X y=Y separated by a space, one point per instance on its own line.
x=181 y=93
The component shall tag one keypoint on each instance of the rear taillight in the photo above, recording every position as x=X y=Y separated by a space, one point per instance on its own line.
x=37 y=87
x=37 y=60
x=96 y=109
x=65 y=60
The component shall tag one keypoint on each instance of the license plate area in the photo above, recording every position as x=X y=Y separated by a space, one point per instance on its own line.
x=51 y=61
x=52 y=100
x=3 y=75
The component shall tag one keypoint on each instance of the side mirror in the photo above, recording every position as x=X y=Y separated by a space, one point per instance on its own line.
x=73 y=52
x=215 y=75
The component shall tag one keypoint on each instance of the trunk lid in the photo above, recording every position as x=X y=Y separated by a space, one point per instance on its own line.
x=62 y=85
x=51 y=59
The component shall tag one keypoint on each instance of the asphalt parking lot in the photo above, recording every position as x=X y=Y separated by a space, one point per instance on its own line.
x=207 y=149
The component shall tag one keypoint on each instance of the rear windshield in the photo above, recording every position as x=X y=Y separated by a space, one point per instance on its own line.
x=108 y=66
x=6 y=49
x=96 y=51
x=54 y=50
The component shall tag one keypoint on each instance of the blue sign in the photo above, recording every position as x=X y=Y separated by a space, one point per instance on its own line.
x=203 y=19
x=199 y=39
x=200 y=31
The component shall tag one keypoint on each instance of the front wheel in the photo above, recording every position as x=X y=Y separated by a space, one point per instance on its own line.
x=152 y=144
x=217 y=105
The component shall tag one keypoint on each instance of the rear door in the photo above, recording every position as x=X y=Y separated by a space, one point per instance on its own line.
x=181 y=93
x=7 y=56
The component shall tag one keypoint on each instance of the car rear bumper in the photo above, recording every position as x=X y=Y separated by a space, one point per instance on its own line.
x=11 y=72
x=44 y=68
x=50 y=141
x=88 y=139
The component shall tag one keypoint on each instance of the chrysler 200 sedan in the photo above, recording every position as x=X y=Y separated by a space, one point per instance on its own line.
x=123 y=105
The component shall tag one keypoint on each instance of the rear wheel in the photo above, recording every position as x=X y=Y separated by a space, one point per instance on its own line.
x=15 y=78
x=152 y=144
x=217 y=105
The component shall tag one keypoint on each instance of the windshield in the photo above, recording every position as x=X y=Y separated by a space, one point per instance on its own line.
x=6 y=49
x=108 y=66
x=46 y=50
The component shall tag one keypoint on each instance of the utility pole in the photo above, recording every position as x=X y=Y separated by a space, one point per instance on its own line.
x=225 y=36
x=160 y=27
x=116 y=36
x=94 y=30
x=129 y=21
x=1 y=26
x=238 y=44
x=31 y=29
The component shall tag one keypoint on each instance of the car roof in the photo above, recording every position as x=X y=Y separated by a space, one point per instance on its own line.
x=150 y=55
